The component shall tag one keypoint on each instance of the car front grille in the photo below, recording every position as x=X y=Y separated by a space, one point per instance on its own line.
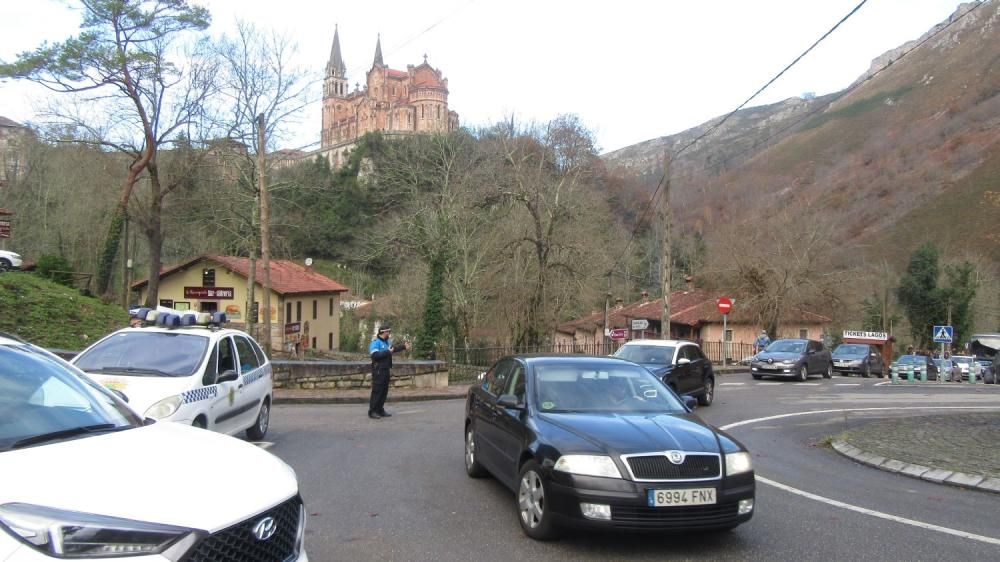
x=689 y=517
x=238 y=543
x=659 y=467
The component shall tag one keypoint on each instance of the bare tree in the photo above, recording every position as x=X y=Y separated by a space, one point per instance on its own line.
x=120 y=62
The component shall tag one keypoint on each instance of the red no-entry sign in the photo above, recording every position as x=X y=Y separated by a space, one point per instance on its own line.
x=724 y=304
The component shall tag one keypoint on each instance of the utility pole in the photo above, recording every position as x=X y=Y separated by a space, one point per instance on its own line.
x=125 y=265
x=607 y=298
x=265 y=247
x=666 y=265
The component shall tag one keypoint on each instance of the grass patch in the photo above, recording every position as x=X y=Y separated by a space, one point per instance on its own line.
x=52 y=315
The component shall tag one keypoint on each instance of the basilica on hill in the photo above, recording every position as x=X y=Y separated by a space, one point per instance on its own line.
x=395 y=102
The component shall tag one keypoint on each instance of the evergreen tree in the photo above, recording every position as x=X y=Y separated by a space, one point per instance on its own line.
x=919 y=295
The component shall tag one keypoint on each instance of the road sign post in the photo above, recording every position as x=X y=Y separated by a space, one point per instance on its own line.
x=725 y=305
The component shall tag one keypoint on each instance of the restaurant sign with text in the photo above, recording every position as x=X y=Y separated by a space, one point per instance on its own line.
x=209 y=292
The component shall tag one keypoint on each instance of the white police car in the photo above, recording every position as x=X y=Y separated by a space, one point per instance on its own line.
x=185 y=368
x=83 y=476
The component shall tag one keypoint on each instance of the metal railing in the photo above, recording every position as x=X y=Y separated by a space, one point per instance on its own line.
x=466 y=363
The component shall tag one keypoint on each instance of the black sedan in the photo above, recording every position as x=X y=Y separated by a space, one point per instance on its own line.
x=602 y=442
x=796 y=358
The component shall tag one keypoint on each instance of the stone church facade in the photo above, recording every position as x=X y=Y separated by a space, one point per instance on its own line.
x=395 y=102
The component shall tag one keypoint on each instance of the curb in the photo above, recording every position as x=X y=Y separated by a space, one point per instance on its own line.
x=277 y=399
x=930 y=474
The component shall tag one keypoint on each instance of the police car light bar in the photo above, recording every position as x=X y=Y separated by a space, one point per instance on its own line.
x=167 y=318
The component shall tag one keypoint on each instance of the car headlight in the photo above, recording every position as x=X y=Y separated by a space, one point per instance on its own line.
x=588 y=465
x=738 y=463
x=164 y=408
x=73 y=534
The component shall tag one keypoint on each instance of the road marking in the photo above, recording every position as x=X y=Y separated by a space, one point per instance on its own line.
x=732 y=383
x=859 y=509
x=846 y=384
x=879 y=514
x=769 y=383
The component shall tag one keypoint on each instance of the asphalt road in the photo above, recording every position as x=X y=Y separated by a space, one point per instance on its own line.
x=396 y=489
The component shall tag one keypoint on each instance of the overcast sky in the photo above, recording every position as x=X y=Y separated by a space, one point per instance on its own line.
x=632 y=70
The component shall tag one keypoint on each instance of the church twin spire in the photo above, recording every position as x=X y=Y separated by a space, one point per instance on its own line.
x=336 y=66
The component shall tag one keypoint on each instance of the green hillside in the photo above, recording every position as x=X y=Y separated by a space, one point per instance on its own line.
x=53 y=315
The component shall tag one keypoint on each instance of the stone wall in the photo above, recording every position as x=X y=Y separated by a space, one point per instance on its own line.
x=356 y=374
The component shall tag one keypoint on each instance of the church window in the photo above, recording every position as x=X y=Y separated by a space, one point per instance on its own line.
x=421 y=112
x=439 y=111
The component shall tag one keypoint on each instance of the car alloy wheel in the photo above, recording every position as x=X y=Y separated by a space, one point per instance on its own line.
x=868 y=370
x=472 y=466
x=532 y=507
x=803 y=373
x=259 y=428
x=828 y=373
x=705 y=398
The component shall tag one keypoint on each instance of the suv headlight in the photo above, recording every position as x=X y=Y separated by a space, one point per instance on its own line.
x=72 y=534
x=588 y=465
x=164 y=408
x=738 y=463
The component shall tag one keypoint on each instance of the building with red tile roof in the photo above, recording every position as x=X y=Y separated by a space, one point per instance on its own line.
x=305 y=304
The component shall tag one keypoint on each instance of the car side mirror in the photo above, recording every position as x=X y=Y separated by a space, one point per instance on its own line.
x=228 y=375
x=683 y=361
x=509 y=401
x=690 y=401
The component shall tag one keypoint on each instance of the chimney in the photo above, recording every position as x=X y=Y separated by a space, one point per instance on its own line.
x=645 y=296
x=619 y=303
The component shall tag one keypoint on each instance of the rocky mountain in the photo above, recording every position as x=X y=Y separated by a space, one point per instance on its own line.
x=908 y=153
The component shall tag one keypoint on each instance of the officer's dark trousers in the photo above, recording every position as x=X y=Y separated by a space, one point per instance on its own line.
x=380 y=390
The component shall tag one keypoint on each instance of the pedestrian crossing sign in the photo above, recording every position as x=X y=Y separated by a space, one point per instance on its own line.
x=943 y=334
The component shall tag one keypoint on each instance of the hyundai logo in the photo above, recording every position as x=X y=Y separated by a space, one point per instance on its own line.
x=675 y=457
x=265 y=528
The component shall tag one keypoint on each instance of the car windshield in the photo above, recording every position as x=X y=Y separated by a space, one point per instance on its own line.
x=617 y=388
x=786 y=346
x=912 y=360
x=850 y=350
x=962 y=359
x=145 y=353
x=44 y=399
x=649 y=354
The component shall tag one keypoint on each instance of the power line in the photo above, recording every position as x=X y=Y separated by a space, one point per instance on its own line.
x=659 y=184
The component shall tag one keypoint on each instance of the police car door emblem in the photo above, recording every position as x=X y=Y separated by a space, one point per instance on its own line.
x=675 y=457
x=265 y=528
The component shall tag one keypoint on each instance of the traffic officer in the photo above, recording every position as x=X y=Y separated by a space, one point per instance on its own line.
x=381 y=351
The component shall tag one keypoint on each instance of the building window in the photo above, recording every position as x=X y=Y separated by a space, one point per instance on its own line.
x=421 y=112
x=208 y=277
x=729 y=335
x=439 y=111
x=315 y=310
x=331 y=308
x=288 y=313
x=329 y=344
x=314 y=343
x=298 y=311
x=804 y=334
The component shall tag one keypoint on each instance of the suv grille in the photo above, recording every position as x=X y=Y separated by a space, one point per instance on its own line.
x=238 y=543
x=658 y=467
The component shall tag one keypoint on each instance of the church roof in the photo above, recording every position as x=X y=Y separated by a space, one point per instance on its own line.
x=336 y=66
x=378 y=51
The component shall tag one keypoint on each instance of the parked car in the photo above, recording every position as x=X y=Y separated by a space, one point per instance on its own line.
x=9 y=261
x=964 y=363
x=857 y=358
x=680 y=364
x=85 y=476
x=602 y=442
x=919 y=364
x=797 y=358
x=197 y=373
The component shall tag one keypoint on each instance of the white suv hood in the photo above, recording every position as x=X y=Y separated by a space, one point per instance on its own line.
x=162 y=473
x=143 y=392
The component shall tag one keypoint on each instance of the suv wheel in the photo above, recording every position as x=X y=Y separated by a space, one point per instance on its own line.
x=803 y=373
x=705 y=398
x=828 y=373
x=5 y=264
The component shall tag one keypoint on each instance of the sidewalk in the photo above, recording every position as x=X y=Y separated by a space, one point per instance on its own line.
x=955 y=449
x=361 y=395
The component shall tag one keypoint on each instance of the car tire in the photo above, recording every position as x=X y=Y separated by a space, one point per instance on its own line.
x=5 y=264
x=803 y=373
x=756 y=377
x=828 y=373
x=533 y=511
x=705 y=398
x=868 y=371
x=258 y=430
x=472 y=466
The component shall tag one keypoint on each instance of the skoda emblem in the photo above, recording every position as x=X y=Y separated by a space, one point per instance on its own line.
x=675 y=457
x=265 y=528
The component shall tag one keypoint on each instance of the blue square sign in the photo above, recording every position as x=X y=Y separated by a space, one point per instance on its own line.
x=943 y=334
